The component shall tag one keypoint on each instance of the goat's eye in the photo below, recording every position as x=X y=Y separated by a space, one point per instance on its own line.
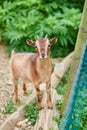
x=48 y=46
x=35 y=47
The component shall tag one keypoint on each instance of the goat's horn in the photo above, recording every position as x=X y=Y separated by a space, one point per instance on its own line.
x=46 y=36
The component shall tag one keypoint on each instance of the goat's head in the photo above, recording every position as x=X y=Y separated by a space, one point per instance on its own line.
x=42 y=45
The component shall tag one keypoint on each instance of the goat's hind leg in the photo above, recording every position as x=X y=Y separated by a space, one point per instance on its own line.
x=15 y=83
x=24 y=89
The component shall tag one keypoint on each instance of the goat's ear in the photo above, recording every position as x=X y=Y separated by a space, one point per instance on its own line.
x=30 y=42
x=53 y=40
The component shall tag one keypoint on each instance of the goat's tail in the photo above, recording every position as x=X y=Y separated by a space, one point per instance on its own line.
x=13 y=52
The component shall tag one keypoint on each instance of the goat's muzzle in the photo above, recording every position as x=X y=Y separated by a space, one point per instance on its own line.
x=43 y=56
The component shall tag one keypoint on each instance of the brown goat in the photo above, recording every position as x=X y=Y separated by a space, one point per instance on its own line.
x=34 y=67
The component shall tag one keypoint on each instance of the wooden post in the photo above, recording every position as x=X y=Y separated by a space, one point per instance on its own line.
x=82 y=34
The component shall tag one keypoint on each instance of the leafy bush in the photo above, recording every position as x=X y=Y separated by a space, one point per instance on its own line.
x=31 y=112
x=20 y=20
x=9 y=107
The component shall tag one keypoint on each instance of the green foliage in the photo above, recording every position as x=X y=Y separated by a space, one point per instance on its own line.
x=31 y=112
x=58 y=104
x=20 y=20
x=9 y=107
x=83 y=122
x=57 y=119
x=62 y=86
x=29 y=92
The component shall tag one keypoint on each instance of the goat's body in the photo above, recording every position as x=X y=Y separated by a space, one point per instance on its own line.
x=33 y=67
x=30 y=68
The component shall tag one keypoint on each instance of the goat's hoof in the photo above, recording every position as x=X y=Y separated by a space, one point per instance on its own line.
x=50 y=106
x=41 y=107
x=15 y=103
x=25 y=93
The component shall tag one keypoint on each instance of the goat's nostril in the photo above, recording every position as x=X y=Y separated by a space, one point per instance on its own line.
x=43 y=55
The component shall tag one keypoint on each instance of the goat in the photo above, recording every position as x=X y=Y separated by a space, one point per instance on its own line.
x=33 y=67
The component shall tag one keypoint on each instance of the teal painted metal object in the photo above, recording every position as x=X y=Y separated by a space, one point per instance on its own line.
x=72 y=114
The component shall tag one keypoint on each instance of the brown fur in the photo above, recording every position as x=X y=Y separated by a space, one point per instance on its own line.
x=30 y=67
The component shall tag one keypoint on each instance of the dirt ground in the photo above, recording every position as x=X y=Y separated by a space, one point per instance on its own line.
x=5 y=83
x=6 y=87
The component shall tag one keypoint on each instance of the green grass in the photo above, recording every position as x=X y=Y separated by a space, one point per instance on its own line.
x=32 y=112
x=9 y=107
x=58 y=104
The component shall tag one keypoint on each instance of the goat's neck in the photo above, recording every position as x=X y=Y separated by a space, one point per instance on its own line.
x=43 y=63
x=44 y=69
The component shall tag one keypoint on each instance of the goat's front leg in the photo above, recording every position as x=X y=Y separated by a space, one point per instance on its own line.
x=39 y=96
x=49 y=101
